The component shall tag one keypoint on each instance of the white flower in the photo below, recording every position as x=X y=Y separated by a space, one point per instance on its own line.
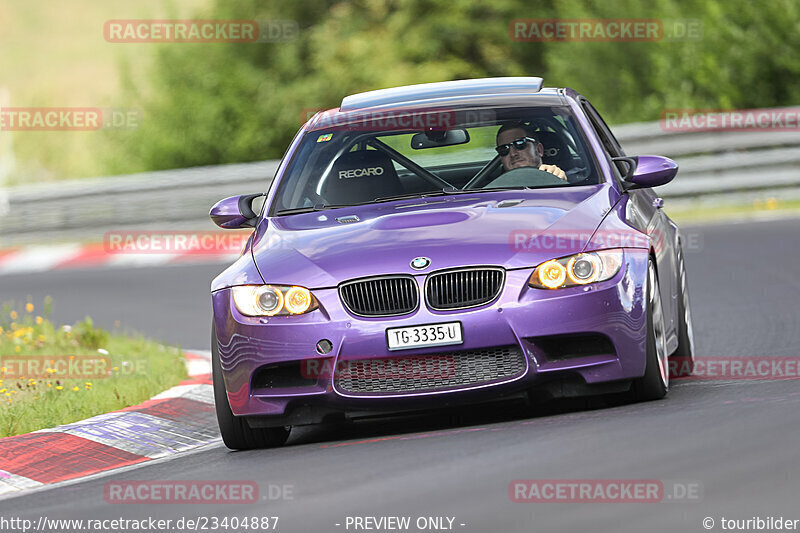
x=102 y=351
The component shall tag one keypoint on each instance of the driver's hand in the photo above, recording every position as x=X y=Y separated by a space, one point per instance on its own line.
x=552 y=169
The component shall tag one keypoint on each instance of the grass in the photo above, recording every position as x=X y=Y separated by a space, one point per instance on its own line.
x=55 y=55
x=770 y=206
x=51 y=375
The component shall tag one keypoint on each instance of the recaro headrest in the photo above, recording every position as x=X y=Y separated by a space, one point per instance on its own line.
x=361 y=176
x=555 y=150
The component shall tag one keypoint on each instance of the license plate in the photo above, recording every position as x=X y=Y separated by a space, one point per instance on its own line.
x=426 y=335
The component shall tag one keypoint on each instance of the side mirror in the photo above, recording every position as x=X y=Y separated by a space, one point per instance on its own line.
x=238 y=211
x=647 y=171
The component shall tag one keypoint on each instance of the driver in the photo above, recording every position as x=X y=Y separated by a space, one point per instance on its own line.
x=518 y=147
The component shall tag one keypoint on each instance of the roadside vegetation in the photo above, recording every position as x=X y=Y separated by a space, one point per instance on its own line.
x=216 y=103
x=768 y=207
x=57 y=374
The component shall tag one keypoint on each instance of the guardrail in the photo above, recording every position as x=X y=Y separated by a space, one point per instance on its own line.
x=714 y=166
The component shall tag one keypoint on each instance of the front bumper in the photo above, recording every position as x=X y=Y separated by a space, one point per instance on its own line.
x=520 y=316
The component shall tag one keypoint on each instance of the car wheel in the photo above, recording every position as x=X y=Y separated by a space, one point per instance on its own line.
x=236 y=432
x=684 y=354
x=655 y=382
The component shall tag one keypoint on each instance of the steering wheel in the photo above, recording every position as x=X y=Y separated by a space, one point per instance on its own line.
x=525 y=177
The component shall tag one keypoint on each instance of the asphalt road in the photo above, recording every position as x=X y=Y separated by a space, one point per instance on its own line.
x=733 y=444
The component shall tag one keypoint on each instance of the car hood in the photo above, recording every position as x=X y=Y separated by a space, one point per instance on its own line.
x=513 y=229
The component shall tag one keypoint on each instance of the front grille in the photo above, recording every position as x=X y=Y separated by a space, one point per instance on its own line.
x=428 y=373
x=383 y=296
x=462 y=288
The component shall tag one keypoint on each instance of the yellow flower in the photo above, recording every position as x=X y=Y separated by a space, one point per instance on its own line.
x=116 y=368
x=59 y=387
x=29 y=307
x=41 y=338
x=8 y=394
x=76 y=389
x=22 y=332
x=13 y=315
x=18 y=349
x=35 y=397
x=39 y=320
x=3 y=390
x=88 y=383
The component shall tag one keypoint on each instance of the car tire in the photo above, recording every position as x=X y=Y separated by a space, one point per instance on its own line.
x=655 y=382
x=683 y=361
x=236 y=432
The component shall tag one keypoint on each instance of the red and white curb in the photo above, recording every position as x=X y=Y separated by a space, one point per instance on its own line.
x=30 y=259
x=177 y=420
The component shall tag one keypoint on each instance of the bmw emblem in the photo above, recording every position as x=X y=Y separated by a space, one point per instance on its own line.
x=420 y=263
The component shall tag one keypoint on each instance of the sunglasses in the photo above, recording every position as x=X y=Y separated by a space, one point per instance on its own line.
x=519 y=144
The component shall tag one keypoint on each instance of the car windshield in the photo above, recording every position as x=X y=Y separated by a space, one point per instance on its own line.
x=360 y=159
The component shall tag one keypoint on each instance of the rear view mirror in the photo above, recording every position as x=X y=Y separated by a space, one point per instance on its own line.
x=434 y=138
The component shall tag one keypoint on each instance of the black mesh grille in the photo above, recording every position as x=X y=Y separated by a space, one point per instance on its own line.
x=443 y=371
x=385 y=296
x=469 y=287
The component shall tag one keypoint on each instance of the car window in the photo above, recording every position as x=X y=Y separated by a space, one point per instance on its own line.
x=360 y=160
x=605 y=133
x=607 y=139
x=479 y=148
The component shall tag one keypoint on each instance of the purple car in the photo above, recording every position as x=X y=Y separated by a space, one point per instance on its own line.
x=447 y=244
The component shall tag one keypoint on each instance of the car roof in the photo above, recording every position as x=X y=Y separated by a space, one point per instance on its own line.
x=445 y=90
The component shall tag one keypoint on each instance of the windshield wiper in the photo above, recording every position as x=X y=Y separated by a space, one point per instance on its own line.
x=310 y=209
x=409 y=196
x=444 y=192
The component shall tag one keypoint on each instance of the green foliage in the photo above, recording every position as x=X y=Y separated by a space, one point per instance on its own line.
x=89 y=336
x=222 y=103
x=51 y=374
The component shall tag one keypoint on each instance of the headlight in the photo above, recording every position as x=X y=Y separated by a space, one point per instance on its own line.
x=579 y=269
x=272 y=300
